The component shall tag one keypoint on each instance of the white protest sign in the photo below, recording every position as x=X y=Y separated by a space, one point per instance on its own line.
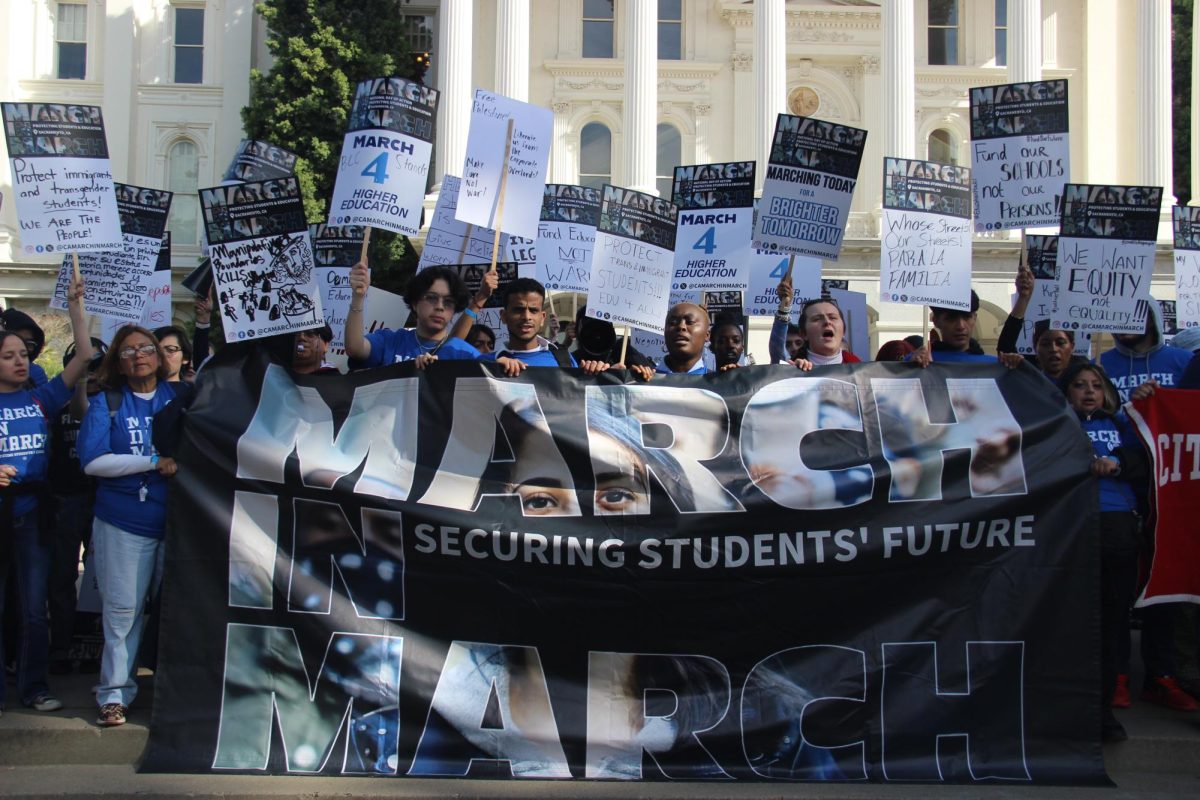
x=632 y=261
x=157 y=313
x=385 y=156
x=262 y=259
x=925 y=250
x=1105 y=257
x=1041 y=255
x=1187 y=265
x=524 y=173
x=62 y=180
x=716 y=222
x=335 y=251
x=809 y=185
x=652 y=344
x=767 y=269
x=523 y=253
x=566 y=236
x=853 y=306
x=449 y=241
x=1019 y=153
x=382 y=309
x=335 y=301
x=1024 y=345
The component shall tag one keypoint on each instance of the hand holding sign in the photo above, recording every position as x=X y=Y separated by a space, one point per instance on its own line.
x=360 y=282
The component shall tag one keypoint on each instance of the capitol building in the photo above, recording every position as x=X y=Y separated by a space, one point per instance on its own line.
x=636 y=87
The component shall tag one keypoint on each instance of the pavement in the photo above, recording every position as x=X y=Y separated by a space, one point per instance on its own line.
x=64 y=754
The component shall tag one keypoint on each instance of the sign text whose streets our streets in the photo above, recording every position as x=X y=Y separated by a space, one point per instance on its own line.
x=566 y=236
x=715 y=225
x=62 y=178
x=809 y=185
x=631 y=271
x=385 y=156
x=1105 y=256
x=1019 y=153
x=1187 y=265
x=926 y=248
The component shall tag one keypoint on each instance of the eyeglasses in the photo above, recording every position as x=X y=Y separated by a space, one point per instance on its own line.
x=436 y=300
x=143 y=350
x=31 y=345
x=170 y=348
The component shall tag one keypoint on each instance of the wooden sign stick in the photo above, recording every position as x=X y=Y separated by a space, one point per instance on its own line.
x=625 y=345
x=462 y=253
x=791 y=263
x=362 y=256
x=500 y=200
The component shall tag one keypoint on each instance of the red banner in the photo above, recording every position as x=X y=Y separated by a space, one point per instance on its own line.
x=1169 y=424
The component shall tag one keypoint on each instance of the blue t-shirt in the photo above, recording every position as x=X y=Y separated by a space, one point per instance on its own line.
x=1128 y=372
x=37 y=374
x=1107 y=433
x=393 y=346
x=697 y=369
x=958 y=357
x=119 y=500
x=24 y=426
x=541 y=357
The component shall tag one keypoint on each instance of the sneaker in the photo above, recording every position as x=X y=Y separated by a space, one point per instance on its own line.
x=1120 y=698
x=1111 y=730
x=111 y=715
x=1166 y=692
x=45 y=702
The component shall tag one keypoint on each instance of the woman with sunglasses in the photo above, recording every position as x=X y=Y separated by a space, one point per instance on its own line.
x=24 y=461
x=131 y=504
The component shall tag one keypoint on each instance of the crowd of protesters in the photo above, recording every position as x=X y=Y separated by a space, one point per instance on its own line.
x=80 y=468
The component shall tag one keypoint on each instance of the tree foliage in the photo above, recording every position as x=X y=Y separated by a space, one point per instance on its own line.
x=321 y=50
x=1181 y=103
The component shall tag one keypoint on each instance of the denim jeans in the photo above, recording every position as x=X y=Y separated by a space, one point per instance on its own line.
x=31 y=559
x=128 y=570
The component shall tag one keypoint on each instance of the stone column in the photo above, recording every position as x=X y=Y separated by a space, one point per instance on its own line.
x=640 y=143
x=454 y=83
x=1154 y=96
x=512 y=49
x=563 y=166
x=898 y=71
x=1050 y=39
x=114 y=68
x=770 y=77
x=1024 y=41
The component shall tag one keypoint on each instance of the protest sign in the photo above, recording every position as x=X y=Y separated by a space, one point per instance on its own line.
x=1170 y=320
x=157 y=312
x=1041 y=256
x=199 y=280
x=1105 y=256
x=385 y=156
x=522 y=252
x=566 y=236
x=381 y=309
x=651 y=343
x=1186 y=221
x=504 y=176
x=1167 y=423
x=631 y=269
x=853 y=306
x=257 y=160
x=335 y=251
x=472 y=276
x=118 y=281
x=925 y=250
x=767 y=269
x=716 y=220
x=1024 y=345
x=62 y=180
x=412 y=591
x=1019 y=153
x=724 y=304
x=449 y=241
x=262 y=260
x=809 y=185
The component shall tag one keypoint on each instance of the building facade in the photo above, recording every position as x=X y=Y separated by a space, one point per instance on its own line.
x=636 y=87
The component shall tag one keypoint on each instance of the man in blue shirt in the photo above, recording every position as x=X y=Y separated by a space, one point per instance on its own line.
x=524 y=315
x=1139 y=363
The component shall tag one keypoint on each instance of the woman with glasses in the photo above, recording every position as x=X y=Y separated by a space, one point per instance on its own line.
x=434 y=294
x=177 y=353
x=131 y=504
x=24 y=460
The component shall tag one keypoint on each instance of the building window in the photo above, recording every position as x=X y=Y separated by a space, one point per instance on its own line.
x=189 y=45
x=943 y=148
x=943 y=32
x=670 y=153
x=598 y=29
x=1001 y=33
x=183 y=178
x=421 y=36
x=70 y=37
x=670 y=29
x=595 y=155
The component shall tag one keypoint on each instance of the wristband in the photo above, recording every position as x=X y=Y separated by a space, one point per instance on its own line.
x=203 y=326
x=358 y=310
x=471 y=314
x=154 y=460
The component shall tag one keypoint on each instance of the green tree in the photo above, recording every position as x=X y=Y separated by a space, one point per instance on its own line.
x=321 y=50
x=1181 y=104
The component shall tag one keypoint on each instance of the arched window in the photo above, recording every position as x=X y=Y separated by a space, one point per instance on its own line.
x=595 y=155
x=943 y=147
x=670 y=152
x=183 y=178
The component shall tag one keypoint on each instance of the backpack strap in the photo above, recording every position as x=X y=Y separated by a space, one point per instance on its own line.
x=562 y=355
x=113 y=398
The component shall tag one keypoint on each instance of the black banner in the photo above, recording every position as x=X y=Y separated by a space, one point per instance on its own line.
x=873 y=572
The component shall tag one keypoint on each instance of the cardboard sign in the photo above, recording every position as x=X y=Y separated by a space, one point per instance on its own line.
x=713 y=235
x=1186 y=221
x=62 y=180
x=810 y=183
x=335 y=251
x=1041 y=253
x=767 y=269
x=472 y=275
x=925 y=249
x=257 y=160
x=528 y=154
x=632 y=262
x=1105 y=256
x=566 y=236
x=853 y=306
x=385 y=156
x=1019 y=153
x=157 y=313
x=262 y=259
x=449 y=241
x=118 y=281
